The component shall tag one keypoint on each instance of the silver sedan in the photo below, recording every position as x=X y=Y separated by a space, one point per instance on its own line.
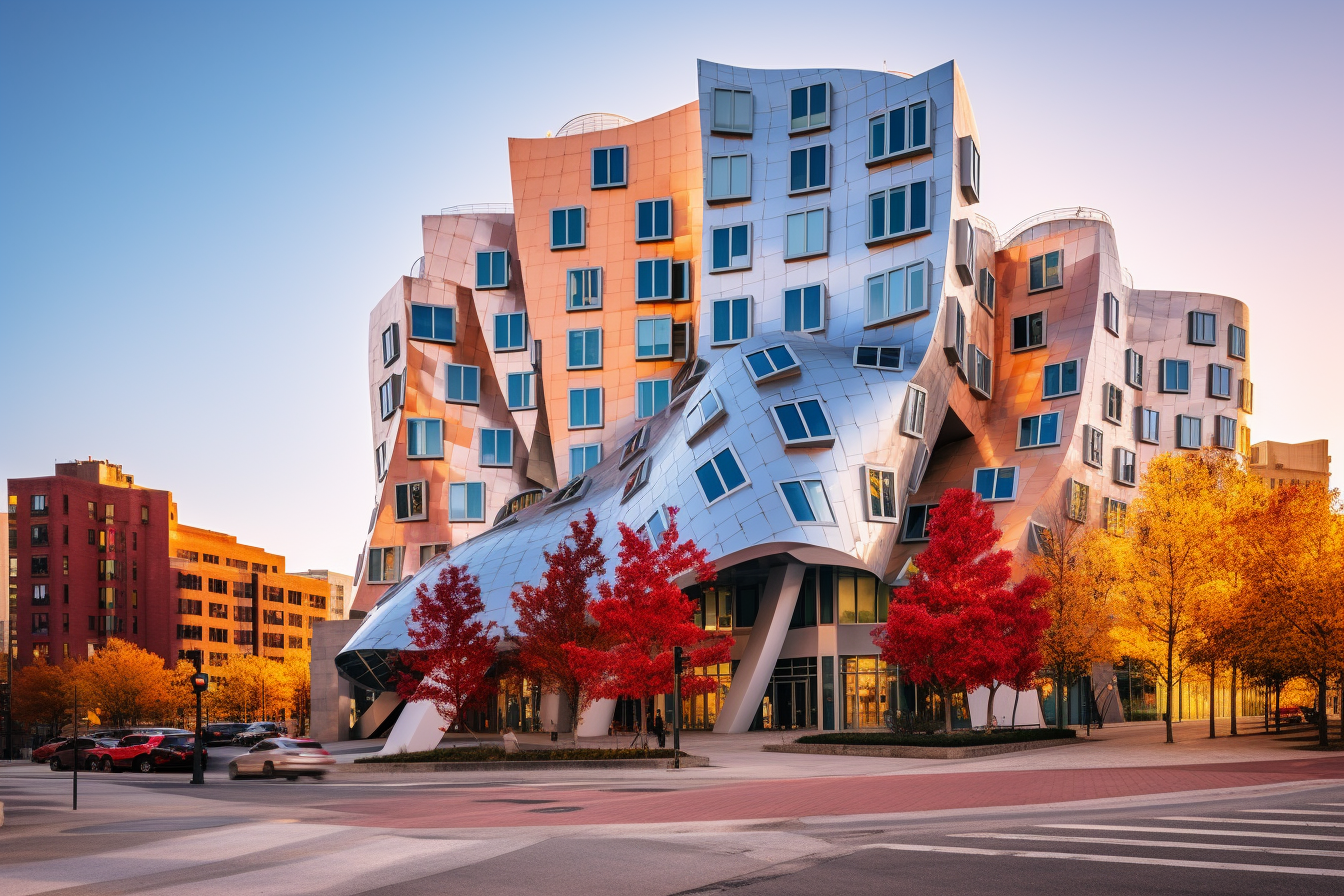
x=282 y=757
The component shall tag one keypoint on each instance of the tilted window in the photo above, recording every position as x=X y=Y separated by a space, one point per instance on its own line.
x=899 y=211
x=1046 y=271
x=996 y=483
x=809 y=107
x=896 y=293
x=609 y=169
x=803 y=423
x=729 y=177
x=899 y=131
x=805 y=308
x=806 y=501
x=809 y=168
x=492 y=269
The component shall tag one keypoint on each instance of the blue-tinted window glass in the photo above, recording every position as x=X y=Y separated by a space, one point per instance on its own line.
x=740 y=310
x=709 y=481
x=816 y=174
x=575 y=231
x=1069 y=379
x=798 y=110
x=558 y=219
x=739 y=240
x=600 y=167
x=919 y=125
x=722 y=257
x=729 y=470
x=616 y=165
x=897 y=211
x=798 y=170
x=476 y=499
x=790 y=422
x=422 y=322
x=1052 y=380
x=877 y=215
x=919 y=206
x=760 y=364
x=1037 y=272
x=816 y=420
x=1004 y=481
x=644 y=279
x=662 y=273
x=984 y=483
x=780 y=356
x=1049 y=428
x=793 y=310
x=576 y=407
x=897 y=130
x=877 y=138
x=722 y=317
x=662 y=215
x=645 y=222
x=499 y=268
x=818 y=103
x=812 y=307
x=443 y=323
x=593 y=406
x=797 y=498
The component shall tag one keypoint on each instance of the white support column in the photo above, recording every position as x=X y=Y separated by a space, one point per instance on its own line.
x=596 y=719
x=763 y=647
x=419 y=727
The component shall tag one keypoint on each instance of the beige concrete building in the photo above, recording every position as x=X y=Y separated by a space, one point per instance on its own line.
x=342 y=589
x=1283 y=462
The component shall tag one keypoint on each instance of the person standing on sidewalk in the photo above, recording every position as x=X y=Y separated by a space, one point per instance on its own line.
x=658 y=729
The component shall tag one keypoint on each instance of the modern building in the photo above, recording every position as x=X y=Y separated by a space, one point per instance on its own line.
x=1280 y=463
x=340 y=586
x=777 y=309
x=93 y=555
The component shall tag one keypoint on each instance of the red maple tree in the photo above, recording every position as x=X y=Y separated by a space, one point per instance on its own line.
x=453 y=648
x=643 y=614
x=957 y=626
x=555 y=614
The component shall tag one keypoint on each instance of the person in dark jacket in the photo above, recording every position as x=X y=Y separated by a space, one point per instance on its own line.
x=658 y=728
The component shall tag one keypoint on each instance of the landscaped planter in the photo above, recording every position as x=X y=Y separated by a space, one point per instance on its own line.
x=955 y=746
x=471 y=759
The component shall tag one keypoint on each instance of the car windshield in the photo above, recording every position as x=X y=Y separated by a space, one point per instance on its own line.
x=178 y=741
x=300 y=744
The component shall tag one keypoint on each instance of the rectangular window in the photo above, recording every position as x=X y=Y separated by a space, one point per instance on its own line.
x=585 y=349
x=912 y=415
x=430 y=551
x=771 y=363
x=384 y=566
x=651 y=396
x=634 y=445
x=964 y=251
x=985 y=289
x=380 y=460
x=496 y=447
x=218 y=636
x=189 y=632
x=636 y=479
x=567 y=231
x=1038 y=430
x=970 y=169
x=653 y=220
x=805 y=233
x=1133 y=369
x=916 y=526
x=42 y=598
x=721 y=475
x=732 y=111
x=1112 y=403
x=424 y=438
x=900 y=211
x=809 y=107
x=583 y=458
x=433 y=323
x=1028 y=331
x=653 y=280
x=1060 y=379
x=1123 y=466
x=655 y=526
x=681 y=281
x=391 y=345
x=1114 y=513
x=903 y=130
x=1189 y=432
x=980 y=372
x=188 y=581
x=1112 y=306
x=996 y=483
x=880 y=357
x=492 y=269
x=729 y=177
x=585 y=408
x=1225 y=432
x=1046 y=271
x=897 y=292
x=390 y=395
x=1236 y=342
x=1175 y=375
x=806 y=501
x=1246 y=400
x=521 y=391
x=1220 y=381
x=410 y=501
x=809 y=168
x=466 y=501
x=954 y=340
x=38 y=505
x=1203 y=328
x=731 y=320
x=883 y=502
x=511 y=332
x=584 y=291
x=653 y=338
x=803 y=423
x=463 y=384
x=608 y=167
x=681 y=341
x=1149 y=425
x=1076 y=497
x=730 y=248
x=805 y=309
x=703 y=413
x=1093 y=446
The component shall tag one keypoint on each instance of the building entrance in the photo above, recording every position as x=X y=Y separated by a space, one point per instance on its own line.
x=790 y=699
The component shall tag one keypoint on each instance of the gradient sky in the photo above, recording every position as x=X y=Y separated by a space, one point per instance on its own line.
x=200 y=203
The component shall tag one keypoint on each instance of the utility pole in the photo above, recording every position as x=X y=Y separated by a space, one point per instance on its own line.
x=199 y=682
x=676 y=707
x=74 y=720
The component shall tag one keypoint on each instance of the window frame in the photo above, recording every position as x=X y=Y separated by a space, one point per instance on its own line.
x=654 y=236
x=807 y=151
x=424 y=422
x=888 y=236
x=820 y=287
x=491 y=283
x=653 y=264
x=1164 y=386
x=1181 y=441
x=986 y=286
x=1220 y=371
x=636 y=479
x=811 y=440
x=584 y=448
x=710 y=196
x=714 y=341
x=1142 y=417
x=809 y=92
x=969 y=168
x=1045 y=286
x=1094 y=446
x=709 y=461
x=1109 y=515
x=433 y=323
x=907 y=119
x=1133 y=369
x=448 y=399
x=779 y=372
x=1124 y=461
x=745 y=266
x=886 y=475
x=1222 y=425
x=1077 y=500
x=879 y=349
x=696 y=421
x=391 y=339
x=914 y=407
x=809 y=251
x=975 y=485
x=1059 y=426
x=1191 y=330
x=979 y=372
x=1112 y=403
x=466 y=486
x=735 y=94
x=480 y=447
x=575 y=488
x=569 y=347
x=590 y=275
x=527 y=376
x=601 y=403
x=391 y=395
x=652 y=321
x=1236 y=342
x=809 y=497
x=1013 y=347
x=368 y=572
x=906 y=537
x=1111 y=313
x=609 y=184
x=634 y=446
x=397 y=502
x=509 y=346
x=652 y=384
x=583 y=228
x=885 y=276
x=1077 y=379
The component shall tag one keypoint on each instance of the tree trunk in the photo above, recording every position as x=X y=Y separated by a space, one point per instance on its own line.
x=1213 y=681
x=1233 y=694
x=1016 y=695
x=947 y=709
x=1171 y=684
x=574 y=702
x=1060 y=721
x=643 y=735
x=989 y=708
x=1278 y=719
x=1322 y=724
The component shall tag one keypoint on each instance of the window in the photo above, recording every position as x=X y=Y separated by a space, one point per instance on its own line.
x=809 y=168
x=806 y=501
x=433 y=323
x=1149 y=425
x=492 y=269
x=901 y=131
x=38 y=505
x=809 y=107
x=655 y=526
x=653 y=338
x=1189 y=431
x=732 y=111
x=496 y=447
x=996 y=483
x=965 y=251
x=633 y=446
x=1046 y=271
x=391 y=345
x=681 y=281
x=771 y=363
x=585 y=348
x=729 y=177
x=1236 y=342
x=584 y=291
x=681 y=341
x=1220 y=381
x=391 y=395
x=1112 y=403
x=571 y=491
x=1028 y=331
x=805 y=233
x=42 y=598
x=585 y=408
x=879 y=357
x=805 y=309
x=424 y=438
x=463 y=384
x=1123 y=466
x=583 y=458
x=189 y=632
x=511 y=332
x=1247 y=399
x=803 y=423
x=1175 y=375
x=653 y=280
x=1113 y=515
x=980 y=372
x=217 y=586
x=1076 y=496
x=1203 y=328
x=703 y=413
x=1060 y=379
x=899 y=211
x=410 y=498
x=1038 y=430
x=427 y=552
x=731 y=320
x=897 y=292
x=730 y=248
x=653 y=220
x=970 y=169
x=916 y=526
x=466 y=501
x=1093 y=446
x=608 y=167
x=912 y=415
x=1112 y=306
x=883 y=504
x=144 y=515
x=985 y=289
x=1133 y=369
x=721 y=475
x=636 y=479
x=188 y=581
x=651 y=396
x=38 y=537
x=567 y=228
x=1225 y=432
x=521 y=388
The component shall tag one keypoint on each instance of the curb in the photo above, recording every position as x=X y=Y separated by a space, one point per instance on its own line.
x=382 y=768
x=902 y=752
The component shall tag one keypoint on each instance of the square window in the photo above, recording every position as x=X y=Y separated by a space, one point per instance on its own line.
x=805 y=233
x=895 y=293
x=703 y=414
x=391 y=394
x=653 y=338
x=898 y=132
x=996 y=483
x=511 y=332
x=1225 y=432
x=496 y=448
x=1112 y=403
x=584 y=291
x=1133 y=369
x=633 y=446
x=1058 y=380
x=521 y=388
x=965 y=251
x=1076 y=497
x=721 y=476
x=732 y=111
x=916 y=526
x=1046 y=271
x=1236 y=342
x=584 y=349
x=466 y=502
x=391 y=345
x=1112 y=311
x=912 y=414
x=1189 y=432
x=384 y=567
x=434 y=323
x=463 y=384
x=731 y=320
x=1028 y=331
x=1175 y=375
x=1220 y=381
x=653 y=280
x=730 y=248
x=567 y=230
x=1038 y=430
x=806 y=501
x=879 y=357
x=1123 y=466
x=655 y=526
x=771 y=363
x=651 y=396
x=803 y=423
x=1093 y=446
x=411 y=501
x=583 y=458
x=636 y=479
x=970 y=169
x=653 y=220
x=809 y=107
x=492 y=269
x=729 y=177
x=585 y=408
x=980 y=372
x=1202 y=328
x=1114 y=513
x=900 y=211
x=809 y=168
x=424 y=438
x=805 y=309
x=985 y=289
x=1149 y=426
x=609 y=168
x=884 y=502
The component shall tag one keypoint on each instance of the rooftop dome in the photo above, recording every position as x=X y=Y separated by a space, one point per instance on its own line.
x=592 y=121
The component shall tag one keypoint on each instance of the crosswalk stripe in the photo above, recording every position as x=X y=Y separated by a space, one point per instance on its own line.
x=1296 y=824
x=1165 y=844
x=1293 y=811
x=1120 y=860
x=1276 y=835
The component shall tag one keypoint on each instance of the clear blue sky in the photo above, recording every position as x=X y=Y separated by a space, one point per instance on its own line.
x=199 y=203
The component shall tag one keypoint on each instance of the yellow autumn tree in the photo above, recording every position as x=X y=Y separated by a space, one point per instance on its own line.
x=125 y=683
x=297 y=670
x=250 y=689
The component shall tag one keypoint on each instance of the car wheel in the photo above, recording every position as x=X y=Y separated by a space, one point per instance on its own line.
x=144 y=765
x=268 y=770
x=55 y=764
x=291 y=777
x=90 y=764
x=233 y=772
x=106 y=764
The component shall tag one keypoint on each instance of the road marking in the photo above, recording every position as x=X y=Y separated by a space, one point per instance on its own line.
x=1210 y=832
x=1120 y=860
x=1165 y=844
x=1293 y=811
x=1296 y=824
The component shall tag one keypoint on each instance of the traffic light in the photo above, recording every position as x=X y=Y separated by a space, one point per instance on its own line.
x=199 y=682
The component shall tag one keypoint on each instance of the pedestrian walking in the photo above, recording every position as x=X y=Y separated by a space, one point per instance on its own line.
x=659 y=730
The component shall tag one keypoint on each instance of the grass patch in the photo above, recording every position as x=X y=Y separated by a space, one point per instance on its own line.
x=955 y=739
x=496 y=754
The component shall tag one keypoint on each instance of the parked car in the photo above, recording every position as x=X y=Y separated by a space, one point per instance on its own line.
x=282 y=757
x=43 y=753
x=177 y=751
x=256 y=732
x=129 y=753
x=223 y=732
x=63 y=756
x=1291 y=715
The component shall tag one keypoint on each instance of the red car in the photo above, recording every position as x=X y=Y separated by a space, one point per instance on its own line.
x=44 y=752
x=130 y=753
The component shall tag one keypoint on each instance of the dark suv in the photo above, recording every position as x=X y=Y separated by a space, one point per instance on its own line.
x=223 y=732
x=255 y=733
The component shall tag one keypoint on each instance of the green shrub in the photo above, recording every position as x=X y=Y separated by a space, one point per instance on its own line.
x=955 y=739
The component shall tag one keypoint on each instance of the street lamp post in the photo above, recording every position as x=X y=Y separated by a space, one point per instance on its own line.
x=676 y=707
x=199 y=682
